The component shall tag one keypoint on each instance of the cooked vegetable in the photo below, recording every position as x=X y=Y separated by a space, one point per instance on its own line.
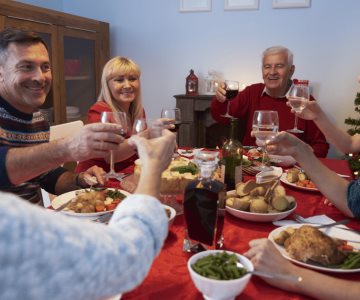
x=190 y=168
x=221 y=266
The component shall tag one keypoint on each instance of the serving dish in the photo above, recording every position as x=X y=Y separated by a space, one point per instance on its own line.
x=63 y=198
x=332 y=232
x=284 y=180
x=258 y=217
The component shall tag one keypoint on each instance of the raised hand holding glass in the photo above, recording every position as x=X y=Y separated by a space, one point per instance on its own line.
x=232 y=89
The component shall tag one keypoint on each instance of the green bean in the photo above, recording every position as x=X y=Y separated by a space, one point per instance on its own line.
x=221 y=266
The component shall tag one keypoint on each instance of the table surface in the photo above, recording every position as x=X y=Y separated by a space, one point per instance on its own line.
x=169 y=278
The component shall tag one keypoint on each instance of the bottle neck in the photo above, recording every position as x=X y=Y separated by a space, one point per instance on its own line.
x=234 y=129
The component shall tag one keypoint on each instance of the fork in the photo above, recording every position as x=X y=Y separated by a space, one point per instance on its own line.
x=301 y=219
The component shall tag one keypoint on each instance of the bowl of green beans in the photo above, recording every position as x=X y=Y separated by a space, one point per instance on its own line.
x=217 y=275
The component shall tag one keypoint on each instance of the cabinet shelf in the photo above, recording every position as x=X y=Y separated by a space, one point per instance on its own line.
x=74 y=42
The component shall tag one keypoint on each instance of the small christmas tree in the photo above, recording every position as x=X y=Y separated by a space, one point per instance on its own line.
x=354 y=158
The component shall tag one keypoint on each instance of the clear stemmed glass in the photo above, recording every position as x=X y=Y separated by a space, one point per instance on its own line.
x=173 y=116
x=298 y=97
x=155 y=127
x=119 y=118
x=232 y=89
x=265 y=127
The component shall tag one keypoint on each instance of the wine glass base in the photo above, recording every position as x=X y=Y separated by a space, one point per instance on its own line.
x=226 y=116
x=113 y=175
x=295 y=130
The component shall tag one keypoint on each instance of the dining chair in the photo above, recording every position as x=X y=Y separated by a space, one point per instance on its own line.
x=65 y=130
x=58 y=132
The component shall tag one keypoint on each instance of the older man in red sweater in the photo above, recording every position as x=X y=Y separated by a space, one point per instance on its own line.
x=277 y=70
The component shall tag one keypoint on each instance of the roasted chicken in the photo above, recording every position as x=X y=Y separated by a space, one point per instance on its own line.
x=309 y=243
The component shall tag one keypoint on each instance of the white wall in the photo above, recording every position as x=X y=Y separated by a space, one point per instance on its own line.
x=167 y=43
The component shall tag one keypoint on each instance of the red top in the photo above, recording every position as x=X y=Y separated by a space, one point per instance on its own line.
x=94 y=116
x=252 y=98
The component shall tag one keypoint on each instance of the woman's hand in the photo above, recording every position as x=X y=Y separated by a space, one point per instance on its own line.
x=310 y=112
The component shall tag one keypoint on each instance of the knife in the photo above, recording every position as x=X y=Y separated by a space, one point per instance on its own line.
x=62 y=206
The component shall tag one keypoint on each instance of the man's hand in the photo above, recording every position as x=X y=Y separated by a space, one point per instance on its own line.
x=221 y=93
x=94 y=140
x=93 y=176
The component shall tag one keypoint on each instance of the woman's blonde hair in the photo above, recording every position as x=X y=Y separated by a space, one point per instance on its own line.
x=114 y=67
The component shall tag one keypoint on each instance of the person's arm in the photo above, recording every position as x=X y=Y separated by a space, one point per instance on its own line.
x=267 y=258
x=339 y=138
x=94 y=140
x=328 y=182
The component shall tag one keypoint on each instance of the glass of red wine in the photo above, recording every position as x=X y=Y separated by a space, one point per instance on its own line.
x=232 y=89
x=171 y=116
x=119 y=118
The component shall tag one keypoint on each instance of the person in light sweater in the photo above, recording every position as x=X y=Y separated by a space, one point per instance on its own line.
x=45 y=255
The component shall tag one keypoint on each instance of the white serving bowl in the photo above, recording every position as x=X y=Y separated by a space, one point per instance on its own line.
x=213 y=289
x=172 y=214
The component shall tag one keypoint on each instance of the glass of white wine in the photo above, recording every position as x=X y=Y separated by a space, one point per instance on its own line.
x=298 y=97
x=119 y=118
x=265 y=127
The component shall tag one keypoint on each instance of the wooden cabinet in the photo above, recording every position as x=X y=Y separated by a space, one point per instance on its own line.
x=78 y=47
x=198 y=129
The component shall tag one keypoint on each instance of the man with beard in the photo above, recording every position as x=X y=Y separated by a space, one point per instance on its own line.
x=277 y=70
x=28 y=160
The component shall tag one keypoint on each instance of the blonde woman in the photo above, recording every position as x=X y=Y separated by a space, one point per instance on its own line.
x=120 y=91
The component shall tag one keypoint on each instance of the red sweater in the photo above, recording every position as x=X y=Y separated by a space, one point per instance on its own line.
x=94 y=115
x=252 y=98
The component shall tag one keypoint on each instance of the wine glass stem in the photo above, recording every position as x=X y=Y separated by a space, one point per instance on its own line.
x=112 y=162
x=295 y=122
x=227 y=108
x=263 y=157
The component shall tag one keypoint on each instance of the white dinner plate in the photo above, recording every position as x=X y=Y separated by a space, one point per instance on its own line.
x=61 y=199
x=284 y=180
x=257 y=217
x=332 y=232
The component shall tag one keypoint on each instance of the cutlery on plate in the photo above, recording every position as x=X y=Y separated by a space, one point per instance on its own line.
x=105 y=218
x=62 y=206
x=301 y=219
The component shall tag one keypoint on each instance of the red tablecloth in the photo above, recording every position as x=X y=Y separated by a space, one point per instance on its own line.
x=169 y=277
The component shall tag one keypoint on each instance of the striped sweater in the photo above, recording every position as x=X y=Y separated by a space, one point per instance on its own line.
x=18 y=129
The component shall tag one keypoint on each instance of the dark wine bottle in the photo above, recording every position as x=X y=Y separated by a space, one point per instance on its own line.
x=204 y=206
x=232 y=152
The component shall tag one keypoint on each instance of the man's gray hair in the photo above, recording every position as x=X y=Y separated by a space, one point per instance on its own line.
x=277 y=49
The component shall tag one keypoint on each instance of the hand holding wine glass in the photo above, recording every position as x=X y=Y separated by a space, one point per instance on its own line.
x=265 y=127
x=231 y=89
x=298 y=98
x=119 y=118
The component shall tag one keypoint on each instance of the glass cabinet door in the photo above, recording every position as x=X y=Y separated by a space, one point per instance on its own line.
x=79 y=72
x=48 y=33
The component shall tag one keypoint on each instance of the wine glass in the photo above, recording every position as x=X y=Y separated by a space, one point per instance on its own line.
x=119 y=118
x=298 y=98
x=232 y=89
x=265 y=127
x=171 y=116
x=154 y=126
